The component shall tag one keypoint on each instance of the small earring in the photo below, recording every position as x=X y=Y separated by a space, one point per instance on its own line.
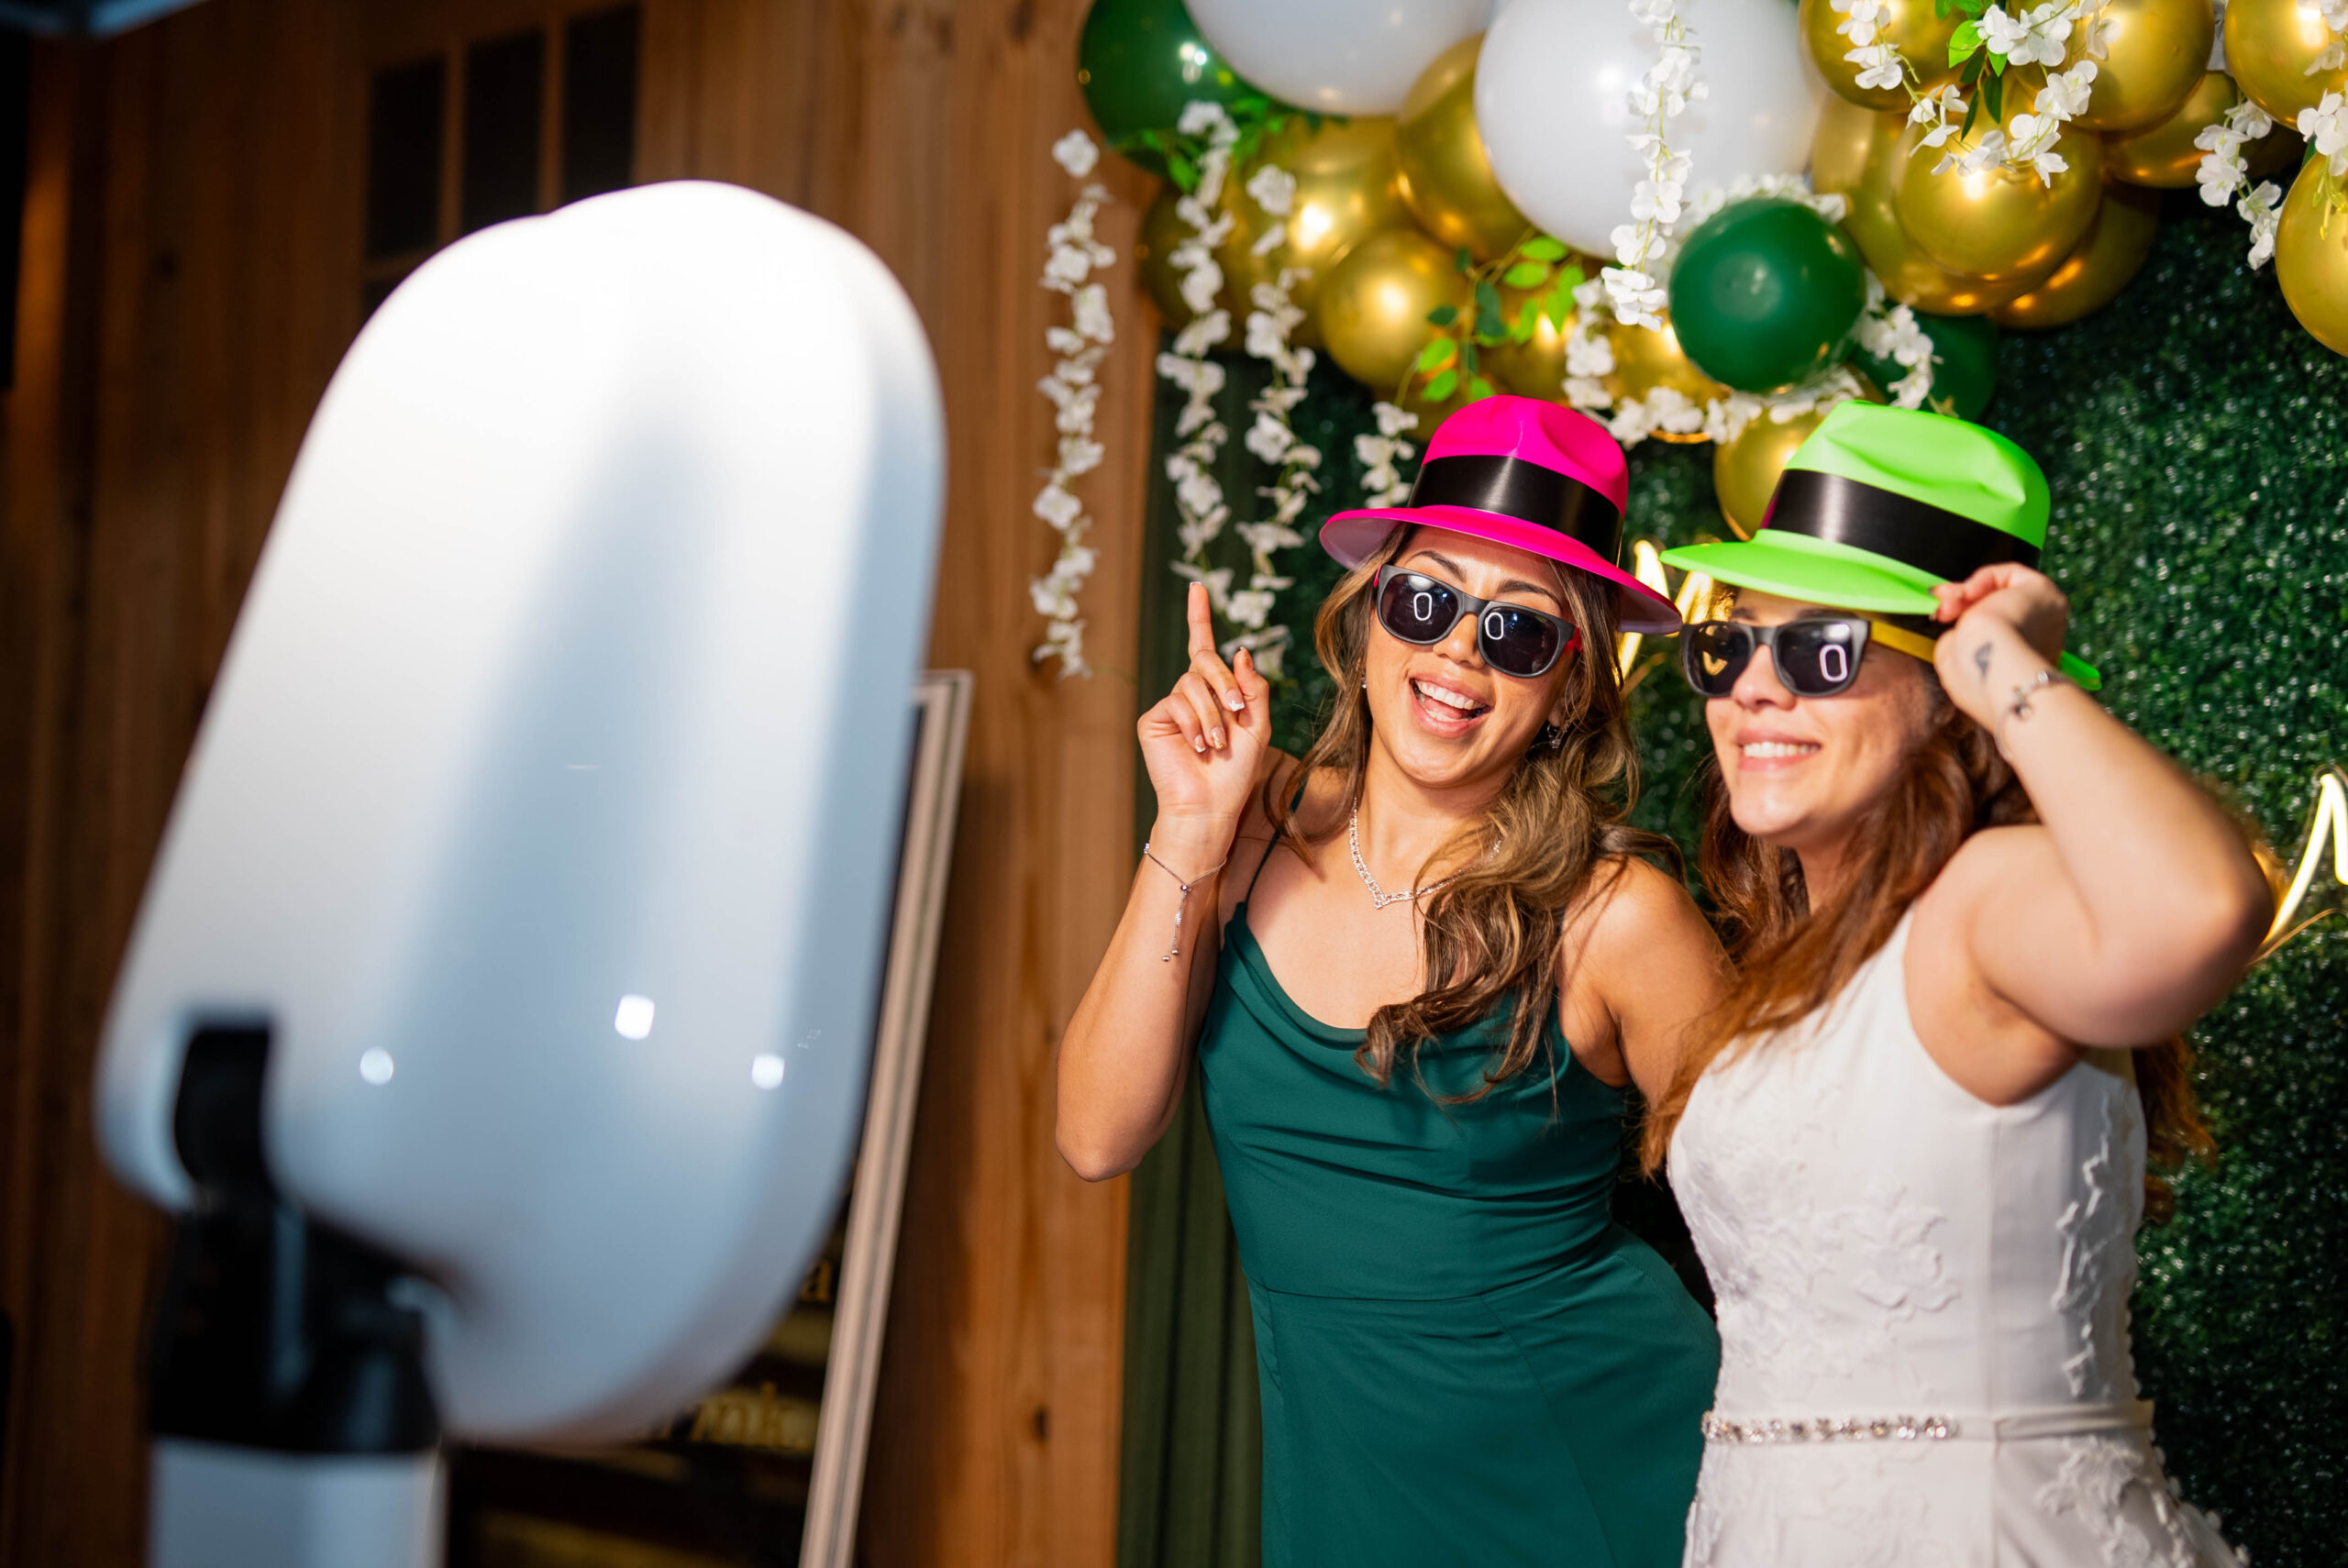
x=1551 y=739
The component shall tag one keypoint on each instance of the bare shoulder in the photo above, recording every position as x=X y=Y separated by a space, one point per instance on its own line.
x=1994 y=864
x=1635 y=906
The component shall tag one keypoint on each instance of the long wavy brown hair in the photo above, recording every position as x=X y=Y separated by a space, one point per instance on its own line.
x=1555 y=835
x=1791 y=959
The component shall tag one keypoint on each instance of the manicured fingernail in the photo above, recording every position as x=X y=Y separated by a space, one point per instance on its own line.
x=1232 y=701
x=1217 y=733
x=1199 y=745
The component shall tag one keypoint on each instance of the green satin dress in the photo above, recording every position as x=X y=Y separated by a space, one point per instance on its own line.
x=1464 y=1360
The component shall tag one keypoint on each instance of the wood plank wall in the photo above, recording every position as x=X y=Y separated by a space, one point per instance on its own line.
x=191 y=260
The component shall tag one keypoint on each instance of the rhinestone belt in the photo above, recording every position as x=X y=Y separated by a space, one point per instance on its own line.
x=1826 y=1429
x=2009 y=1425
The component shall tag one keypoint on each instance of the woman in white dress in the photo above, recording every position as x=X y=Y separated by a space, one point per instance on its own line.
x=1974 y=911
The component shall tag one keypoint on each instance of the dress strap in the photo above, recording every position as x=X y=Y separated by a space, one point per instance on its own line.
x=1274 y=842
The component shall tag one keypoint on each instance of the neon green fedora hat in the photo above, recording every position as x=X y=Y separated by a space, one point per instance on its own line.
x=1879 y=505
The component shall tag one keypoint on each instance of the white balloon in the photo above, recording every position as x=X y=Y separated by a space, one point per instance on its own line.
x=1339 y=57
x=1552 y=89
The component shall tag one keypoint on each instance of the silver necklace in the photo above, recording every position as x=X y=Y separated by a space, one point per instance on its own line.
x=1379 y=897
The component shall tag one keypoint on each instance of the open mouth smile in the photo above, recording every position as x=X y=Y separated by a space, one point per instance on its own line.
x=1765 y=753
x=1444 y=711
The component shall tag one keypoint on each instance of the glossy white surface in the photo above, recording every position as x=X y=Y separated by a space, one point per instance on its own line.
x=212 y=1506
x=574 y=671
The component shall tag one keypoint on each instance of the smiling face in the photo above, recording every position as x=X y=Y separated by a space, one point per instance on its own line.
x=1801 y=771
x=1441 y=713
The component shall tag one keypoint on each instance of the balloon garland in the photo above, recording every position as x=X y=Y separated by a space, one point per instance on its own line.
x=1074 y=393
x=1972 y=166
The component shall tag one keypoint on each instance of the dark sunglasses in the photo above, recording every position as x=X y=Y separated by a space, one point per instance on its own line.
x=1817 y=656
x=1516 y=641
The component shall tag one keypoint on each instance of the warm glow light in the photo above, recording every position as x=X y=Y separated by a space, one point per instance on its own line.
x=2327 y=823
x=1646 y=559
x=1312 y=220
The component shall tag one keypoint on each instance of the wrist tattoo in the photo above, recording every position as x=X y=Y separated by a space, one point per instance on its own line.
x=1981 y=662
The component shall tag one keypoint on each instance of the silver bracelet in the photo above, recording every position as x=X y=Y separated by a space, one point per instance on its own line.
x=2020 y=708
x=1182 y=904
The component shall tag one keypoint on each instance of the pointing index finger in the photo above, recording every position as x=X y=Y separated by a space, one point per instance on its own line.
x=1202 y=619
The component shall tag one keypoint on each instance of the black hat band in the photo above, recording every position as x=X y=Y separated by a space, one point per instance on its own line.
x=1843 y=510
x=1526 y=492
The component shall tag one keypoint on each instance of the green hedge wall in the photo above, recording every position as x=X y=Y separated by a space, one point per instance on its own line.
x=2193 y=437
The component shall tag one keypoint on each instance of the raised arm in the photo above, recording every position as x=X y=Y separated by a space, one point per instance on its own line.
x=2136 y=904
x=1127 y=1049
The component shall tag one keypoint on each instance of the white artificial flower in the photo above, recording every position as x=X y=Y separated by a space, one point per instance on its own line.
x=1076 y=153
x=1268 y=438
x=2066 y=94
x=1657 y=199
x=1057 y=507
x=1079 y=455
x=1092 y=311
x=1635 y=296
x=1393 y=421
x=2326 y=127
x=2001 y=33
x=1879 y=66
x=1205 y=117
x=2262 y=209
x=1274 y=189
x=1203 y=333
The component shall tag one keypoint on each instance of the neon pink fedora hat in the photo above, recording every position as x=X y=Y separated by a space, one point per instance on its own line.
x=1519 y=471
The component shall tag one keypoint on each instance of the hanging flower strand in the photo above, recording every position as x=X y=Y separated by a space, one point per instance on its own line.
x=1201 y=511
x=1657 y=98
x=1271 y=437
x=1075 y=393
x=1380 y=453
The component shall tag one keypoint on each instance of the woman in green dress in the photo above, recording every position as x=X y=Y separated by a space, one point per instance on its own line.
x=1419 y=968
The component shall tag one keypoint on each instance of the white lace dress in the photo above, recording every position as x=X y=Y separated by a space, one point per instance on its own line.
x=1924 y=1309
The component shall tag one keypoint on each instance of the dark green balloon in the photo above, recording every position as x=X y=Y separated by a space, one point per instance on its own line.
x=1964 y=368
x=1764 y=294
x=1140 y=62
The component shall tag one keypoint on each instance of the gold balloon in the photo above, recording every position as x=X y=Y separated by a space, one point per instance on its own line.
x=1374 y=303
x=1913 y=27
x=2162 y=155
x=1846 y=137
x=2156 y=52
x=2088 y=278
x=1348 y=187
x=2270 y=44
x=1447 y=176
x=1857 y=153
x=1645 y=358
x=2311 y=255
x=1998 y=225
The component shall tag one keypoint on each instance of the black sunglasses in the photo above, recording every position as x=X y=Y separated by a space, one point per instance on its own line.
x=1817 y=656
x=1516 y=641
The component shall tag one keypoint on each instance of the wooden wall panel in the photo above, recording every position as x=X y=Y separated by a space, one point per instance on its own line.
x=189 y=280
x=923 y=128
